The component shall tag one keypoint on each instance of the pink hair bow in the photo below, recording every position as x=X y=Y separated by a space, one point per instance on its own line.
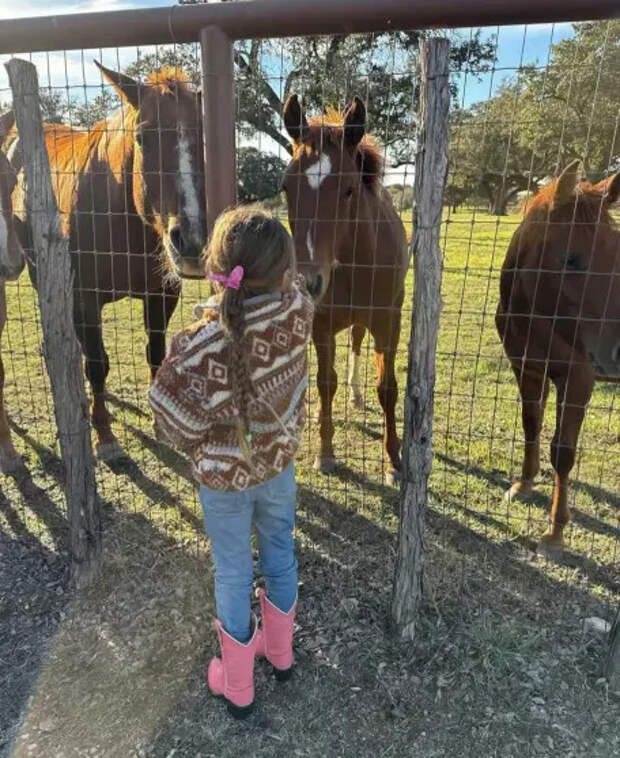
x=232 y=281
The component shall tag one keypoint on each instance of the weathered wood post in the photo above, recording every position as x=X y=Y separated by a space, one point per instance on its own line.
x=63 y=357
x=612 y=661
x=430 y=176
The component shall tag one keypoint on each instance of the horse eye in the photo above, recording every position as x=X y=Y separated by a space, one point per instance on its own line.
x=573 y=263
x=139 y=137
x=348 y=192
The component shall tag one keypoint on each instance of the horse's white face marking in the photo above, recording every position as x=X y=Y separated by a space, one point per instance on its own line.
x=318 y=172
x=188 y=186
x=310 y=245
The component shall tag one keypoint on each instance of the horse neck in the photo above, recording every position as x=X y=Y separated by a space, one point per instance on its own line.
x=364 y=227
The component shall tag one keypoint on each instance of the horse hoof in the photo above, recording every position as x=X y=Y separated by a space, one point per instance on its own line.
x=109 y=452
x=326 y=464
x=11 y=463
x=518 y=490
x=392 y=478
x=550 y=546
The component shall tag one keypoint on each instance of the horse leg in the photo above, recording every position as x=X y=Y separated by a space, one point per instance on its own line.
x=387 y=390
x=358 y=332
x=534 y=389
x=157 y=312
x=88 y=330
x=327 y=383
x=573 y=395
x=10 y=460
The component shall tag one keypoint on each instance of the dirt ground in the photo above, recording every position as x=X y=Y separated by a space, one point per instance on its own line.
x=119 y=670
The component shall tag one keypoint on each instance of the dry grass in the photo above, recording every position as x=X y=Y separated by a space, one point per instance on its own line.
x=500 y=667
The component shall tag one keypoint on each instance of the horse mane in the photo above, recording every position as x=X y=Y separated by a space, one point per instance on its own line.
x=589 y=208
x=329 y=128
x=166 y=78
x=111 y=139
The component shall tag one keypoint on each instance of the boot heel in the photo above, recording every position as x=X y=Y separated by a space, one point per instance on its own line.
x=239 y=712
x=283 y=675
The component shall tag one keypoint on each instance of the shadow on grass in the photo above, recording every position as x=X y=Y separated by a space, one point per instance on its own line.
x=155 y=491
x=537 y=499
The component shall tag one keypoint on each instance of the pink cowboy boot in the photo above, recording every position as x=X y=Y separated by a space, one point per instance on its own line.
x=232 y=674
x=274 y=640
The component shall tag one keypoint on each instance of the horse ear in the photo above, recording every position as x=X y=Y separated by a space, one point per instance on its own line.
x=566 y=183
x=129 y=89
x=612 y=190
x=6 y=124
x=355 y=122
x=295 y=119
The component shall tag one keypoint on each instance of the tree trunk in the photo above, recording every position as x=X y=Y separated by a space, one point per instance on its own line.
x=500 y=202
x=430 y=178
x=63 y=357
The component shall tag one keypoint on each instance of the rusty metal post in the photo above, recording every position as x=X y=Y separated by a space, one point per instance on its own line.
x=218 y=119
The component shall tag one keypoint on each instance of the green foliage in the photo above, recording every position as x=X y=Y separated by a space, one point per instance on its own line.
x=541 y=121
x=259 y=174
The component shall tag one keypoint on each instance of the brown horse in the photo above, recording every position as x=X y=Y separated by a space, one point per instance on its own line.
x=11 y=265
x=559 y=319
x=130 y=193
x=352 y=248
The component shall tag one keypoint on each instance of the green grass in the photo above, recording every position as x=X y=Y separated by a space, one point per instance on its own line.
x=493 y=609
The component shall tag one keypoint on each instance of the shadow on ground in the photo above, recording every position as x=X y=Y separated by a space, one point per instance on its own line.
x=500 y=665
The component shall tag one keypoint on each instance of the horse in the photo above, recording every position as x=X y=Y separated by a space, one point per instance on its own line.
x=352 y=249
x=559 y=320
x=12 y=262
x=130 y=191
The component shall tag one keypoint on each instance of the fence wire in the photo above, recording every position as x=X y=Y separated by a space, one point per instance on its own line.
x=522 y=110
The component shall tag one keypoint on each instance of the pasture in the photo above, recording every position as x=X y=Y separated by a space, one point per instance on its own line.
x=501 y=665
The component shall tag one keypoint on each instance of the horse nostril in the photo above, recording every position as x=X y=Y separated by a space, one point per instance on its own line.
x=315 y=285
x=176 y=238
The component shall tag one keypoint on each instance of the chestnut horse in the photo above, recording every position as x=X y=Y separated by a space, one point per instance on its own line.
x=559 y=319
x=130 y=193
x=352 y=248
x=11 y=265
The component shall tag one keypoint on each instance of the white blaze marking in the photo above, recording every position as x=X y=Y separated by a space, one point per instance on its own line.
x=354 y=371
x=318 y=172
x=309 y=244
x=188 y=188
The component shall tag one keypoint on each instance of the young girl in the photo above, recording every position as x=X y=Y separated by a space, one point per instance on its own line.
x=231 y=391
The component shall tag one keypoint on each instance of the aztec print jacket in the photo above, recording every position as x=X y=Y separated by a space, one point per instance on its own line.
x=191 y=396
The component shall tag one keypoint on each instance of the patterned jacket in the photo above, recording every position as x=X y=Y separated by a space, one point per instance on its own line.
x=191 y=396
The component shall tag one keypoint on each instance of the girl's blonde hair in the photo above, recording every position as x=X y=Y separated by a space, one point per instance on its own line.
x=251 y=237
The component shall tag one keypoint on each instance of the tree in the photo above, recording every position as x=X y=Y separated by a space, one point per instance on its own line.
x=541 y=120
x=259 y=174
x=381 y=68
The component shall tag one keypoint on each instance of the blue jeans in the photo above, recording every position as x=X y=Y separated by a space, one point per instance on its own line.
x=229 y=517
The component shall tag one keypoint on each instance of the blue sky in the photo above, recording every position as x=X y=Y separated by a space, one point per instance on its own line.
x=515 y=45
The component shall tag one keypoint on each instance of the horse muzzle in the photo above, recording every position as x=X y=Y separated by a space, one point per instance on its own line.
x=186 y=254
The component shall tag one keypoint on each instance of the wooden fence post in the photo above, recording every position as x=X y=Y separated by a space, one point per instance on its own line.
x=63 y=357
x=430 y=176
x=611 y=668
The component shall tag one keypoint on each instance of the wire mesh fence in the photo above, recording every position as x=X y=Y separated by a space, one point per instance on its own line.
x=526 y=101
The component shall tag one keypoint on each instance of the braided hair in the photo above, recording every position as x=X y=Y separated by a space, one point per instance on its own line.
x=251 y=237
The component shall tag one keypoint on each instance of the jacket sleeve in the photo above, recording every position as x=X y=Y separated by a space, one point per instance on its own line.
x=177 y=398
